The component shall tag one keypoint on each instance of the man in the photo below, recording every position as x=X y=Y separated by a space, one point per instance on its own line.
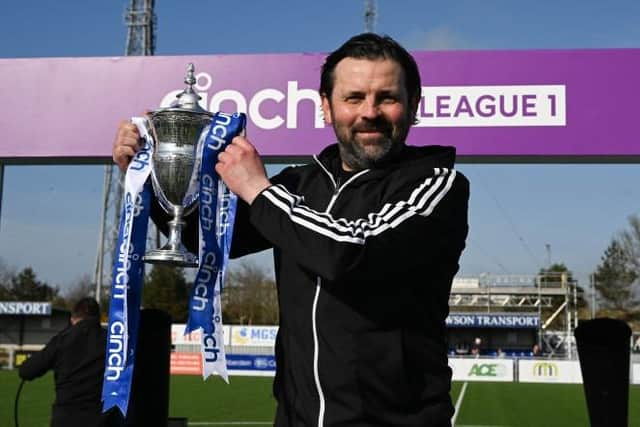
x=76 y=356
x=366 y=243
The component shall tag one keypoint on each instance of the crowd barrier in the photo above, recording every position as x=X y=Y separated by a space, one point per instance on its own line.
x=250 y=352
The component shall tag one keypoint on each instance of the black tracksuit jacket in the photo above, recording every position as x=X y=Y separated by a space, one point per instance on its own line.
x=363 y=270
x=76 y=355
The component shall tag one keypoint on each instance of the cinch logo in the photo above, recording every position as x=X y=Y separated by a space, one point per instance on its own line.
x=487 y=370
x=115 y=351
x=545 y=369
x=283 y=107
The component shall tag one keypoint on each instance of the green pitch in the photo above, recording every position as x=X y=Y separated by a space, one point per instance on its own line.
x=247 y=401
x=528 y=405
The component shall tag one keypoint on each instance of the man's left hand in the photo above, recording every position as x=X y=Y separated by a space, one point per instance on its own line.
x=240 y=167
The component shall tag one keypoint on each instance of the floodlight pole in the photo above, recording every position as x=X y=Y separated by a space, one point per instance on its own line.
x=592 y=279
x=140 y=19
x=369 y=16
x=101 y=237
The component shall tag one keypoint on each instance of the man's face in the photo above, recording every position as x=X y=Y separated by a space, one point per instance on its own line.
x=369 y=110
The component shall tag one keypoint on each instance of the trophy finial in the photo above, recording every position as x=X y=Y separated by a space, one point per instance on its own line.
x=190 y=78
x=188 y=99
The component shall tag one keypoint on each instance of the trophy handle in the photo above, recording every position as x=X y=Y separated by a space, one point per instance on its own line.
x=164 y=202
x=190 y=201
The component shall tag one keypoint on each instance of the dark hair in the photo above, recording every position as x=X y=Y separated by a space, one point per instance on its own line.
x=85 y=308
x=372 y=46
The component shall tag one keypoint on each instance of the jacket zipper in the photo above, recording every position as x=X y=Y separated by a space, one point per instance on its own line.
x=316 y=375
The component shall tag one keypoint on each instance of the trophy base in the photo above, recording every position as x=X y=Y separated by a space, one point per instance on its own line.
x=172 y=257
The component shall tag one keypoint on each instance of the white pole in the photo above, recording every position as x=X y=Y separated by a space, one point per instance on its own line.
x=593 y=295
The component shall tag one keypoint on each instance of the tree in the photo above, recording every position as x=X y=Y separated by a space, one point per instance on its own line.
x=26 y=287
x=82 y=287
x=250 y=297
x=167 y=289
x=559 y=274
x=5 y=281
x=556 y=275
x=4 y=293
x=630 y=242
x=616 y=275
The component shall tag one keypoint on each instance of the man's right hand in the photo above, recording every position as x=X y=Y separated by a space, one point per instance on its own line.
x=126 y=144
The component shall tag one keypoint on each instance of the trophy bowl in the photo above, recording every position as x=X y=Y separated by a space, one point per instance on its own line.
x=176 y=133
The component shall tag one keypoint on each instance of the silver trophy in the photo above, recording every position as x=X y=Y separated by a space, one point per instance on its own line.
x=177 y=131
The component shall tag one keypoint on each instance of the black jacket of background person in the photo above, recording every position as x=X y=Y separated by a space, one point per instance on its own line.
x=76 y=356
x=364 y=267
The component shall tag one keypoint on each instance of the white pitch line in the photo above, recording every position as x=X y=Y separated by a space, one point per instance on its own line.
x=458 y=404
x=478 y=425
x=231 y=423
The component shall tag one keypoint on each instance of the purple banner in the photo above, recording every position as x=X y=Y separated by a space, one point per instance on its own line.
x=486 y=103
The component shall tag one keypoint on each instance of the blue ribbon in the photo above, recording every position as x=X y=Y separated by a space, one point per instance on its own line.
x=127 y=279
x=217 y=213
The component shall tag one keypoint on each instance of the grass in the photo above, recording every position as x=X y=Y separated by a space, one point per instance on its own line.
x=243 y=399
x=35 y=400
x=248 y=399
x=529 y=405
x=523 y=404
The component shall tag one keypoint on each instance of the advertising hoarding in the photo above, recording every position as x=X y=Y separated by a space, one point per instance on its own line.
x=178 y=336
x=492 y=320
x=485 y=103
x=30 y=308
x=549 y=371
x=258 y=336
x=482 y=369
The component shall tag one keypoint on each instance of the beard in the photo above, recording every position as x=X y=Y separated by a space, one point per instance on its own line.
x=361 y=151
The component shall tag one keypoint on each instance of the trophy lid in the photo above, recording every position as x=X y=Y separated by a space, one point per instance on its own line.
x=187 y=100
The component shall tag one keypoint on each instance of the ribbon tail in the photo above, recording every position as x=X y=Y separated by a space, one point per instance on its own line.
x=120 y=403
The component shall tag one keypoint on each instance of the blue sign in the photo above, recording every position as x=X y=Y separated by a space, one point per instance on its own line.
x=251 y=362
x=25 y=307
x=493 y=320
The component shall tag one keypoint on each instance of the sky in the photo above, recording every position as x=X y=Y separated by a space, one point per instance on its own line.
x=522 y=216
